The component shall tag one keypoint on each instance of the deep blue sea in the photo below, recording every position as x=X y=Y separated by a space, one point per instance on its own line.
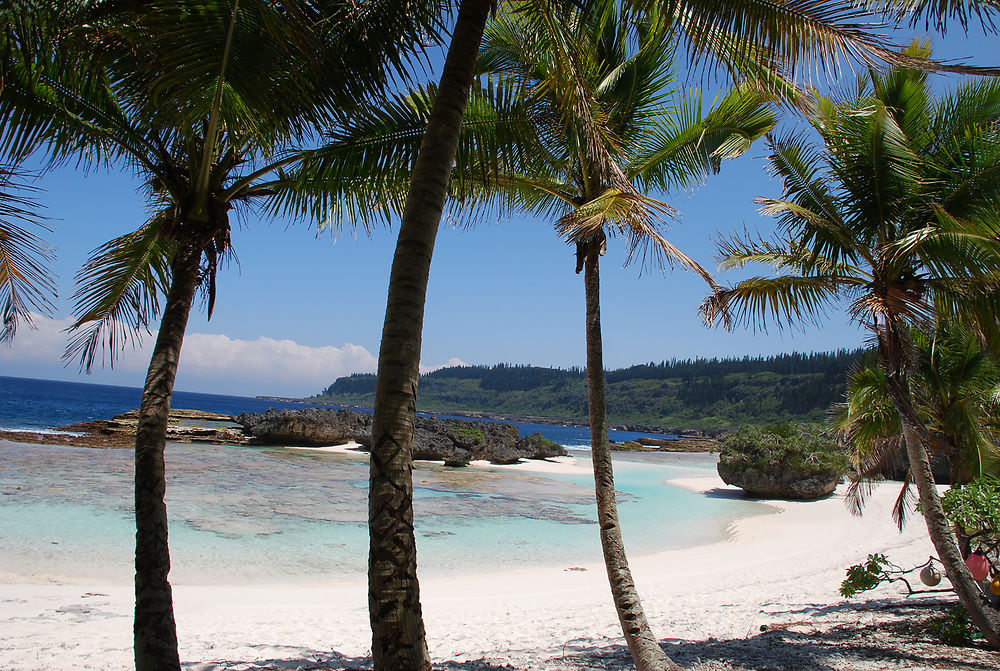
x=252 y=514
x=27 y=403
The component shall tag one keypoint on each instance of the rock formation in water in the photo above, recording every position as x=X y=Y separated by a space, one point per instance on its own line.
x=780 y=484
x=454 y=441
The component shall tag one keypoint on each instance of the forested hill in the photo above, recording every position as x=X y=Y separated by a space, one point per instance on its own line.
x=698 y=393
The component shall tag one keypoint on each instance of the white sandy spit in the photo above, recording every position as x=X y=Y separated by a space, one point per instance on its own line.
x=774 y=570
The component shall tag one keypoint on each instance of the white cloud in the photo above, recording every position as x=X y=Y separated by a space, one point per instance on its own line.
x=45 y=343
x=450 y=363
x=209 y=362
x=270 y=366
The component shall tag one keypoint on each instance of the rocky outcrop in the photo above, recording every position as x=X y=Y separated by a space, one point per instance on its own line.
x=779 y=484
x=309 y=427
x=680 y=444
x=454 y=441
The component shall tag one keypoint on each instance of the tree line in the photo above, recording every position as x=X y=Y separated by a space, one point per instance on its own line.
x=697 y=393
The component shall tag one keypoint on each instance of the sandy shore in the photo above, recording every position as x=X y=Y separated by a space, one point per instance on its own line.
x=708 y=605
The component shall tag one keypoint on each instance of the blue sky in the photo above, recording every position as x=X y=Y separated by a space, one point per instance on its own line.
x=302 y=308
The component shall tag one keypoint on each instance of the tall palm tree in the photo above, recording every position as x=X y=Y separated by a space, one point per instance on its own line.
x=895 y=210
x=208 y=102
x=555 y=83
x=753 y=38
x=611 y=125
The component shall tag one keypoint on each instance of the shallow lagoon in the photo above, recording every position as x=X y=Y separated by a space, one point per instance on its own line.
x=265 y=515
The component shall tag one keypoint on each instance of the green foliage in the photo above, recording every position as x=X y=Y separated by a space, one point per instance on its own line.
x=540 y=443
x=975 y=506
x=770 y=448
x=954 y=628
x=700 y=393
x=865 y=576
x=468 y=431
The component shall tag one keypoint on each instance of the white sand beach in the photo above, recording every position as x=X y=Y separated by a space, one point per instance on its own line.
x=708 y=604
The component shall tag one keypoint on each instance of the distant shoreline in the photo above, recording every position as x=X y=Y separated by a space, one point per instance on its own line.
x=679 y=432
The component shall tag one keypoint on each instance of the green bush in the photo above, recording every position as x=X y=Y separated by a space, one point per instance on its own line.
x=539 y=443
x=954 y=628
x=866 y=576
x=469 y=431
x=804 y=448
x=975 y=507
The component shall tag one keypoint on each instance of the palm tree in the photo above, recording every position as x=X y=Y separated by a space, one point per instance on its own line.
x=611 y=125
x=954 y=388
x=755 y=39
x=896 y=211
x=523 y=146
x=208 y=102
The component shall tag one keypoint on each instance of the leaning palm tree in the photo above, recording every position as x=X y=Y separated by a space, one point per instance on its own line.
x=208 y=102
x=556 y=83
x=896 y=210
x=954 y=384
x=758 y=39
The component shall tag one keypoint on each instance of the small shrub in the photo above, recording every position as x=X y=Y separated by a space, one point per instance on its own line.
x=469 y=431
x=975 y=507
x=954 y=628
x=865 y=576
x=536 y=441
x=802 y=448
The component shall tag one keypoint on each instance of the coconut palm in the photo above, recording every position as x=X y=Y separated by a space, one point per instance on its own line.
x=611 y=125
x=954 y=387
x=523 y=147
x=754 y=38
x=207 y=102
x=895 y=210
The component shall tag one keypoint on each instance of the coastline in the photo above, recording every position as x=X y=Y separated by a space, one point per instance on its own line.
x=779 y=572
x=680 y=432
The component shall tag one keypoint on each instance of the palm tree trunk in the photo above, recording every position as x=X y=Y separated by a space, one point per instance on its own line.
x=155 y=633
x=646 y=652
x=893 y=359
x=398 y=640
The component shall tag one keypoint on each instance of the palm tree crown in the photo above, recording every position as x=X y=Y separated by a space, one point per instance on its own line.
x=207 y=102
x=896 y=211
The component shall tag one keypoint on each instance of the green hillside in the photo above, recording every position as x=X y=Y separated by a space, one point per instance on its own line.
x=699 y=393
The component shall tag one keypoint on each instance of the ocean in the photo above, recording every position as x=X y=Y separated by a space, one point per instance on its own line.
x=252 y=515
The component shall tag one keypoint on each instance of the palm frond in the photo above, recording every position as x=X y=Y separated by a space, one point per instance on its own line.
x=800 y=34
x=26 y=282
x=759 y=301
x=936 y=14
x=683 y=148
x=119 y=291
x=905 y=502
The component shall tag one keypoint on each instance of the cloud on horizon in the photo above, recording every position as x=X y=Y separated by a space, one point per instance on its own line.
x=212 y=363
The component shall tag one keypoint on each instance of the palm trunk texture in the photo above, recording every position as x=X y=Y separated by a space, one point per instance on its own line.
x=984 y=617
x=646 y=651
x=155 y=631
x=398 y=639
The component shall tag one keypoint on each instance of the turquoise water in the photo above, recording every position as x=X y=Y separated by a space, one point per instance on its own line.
x=241 y=515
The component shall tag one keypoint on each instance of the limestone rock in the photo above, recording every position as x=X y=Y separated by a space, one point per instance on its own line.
x=309 y=427
x=454 y=441
x=780 y=484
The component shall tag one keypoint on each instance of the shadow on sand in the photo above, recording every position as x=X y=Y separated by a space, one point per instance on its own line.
x=878 y=634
